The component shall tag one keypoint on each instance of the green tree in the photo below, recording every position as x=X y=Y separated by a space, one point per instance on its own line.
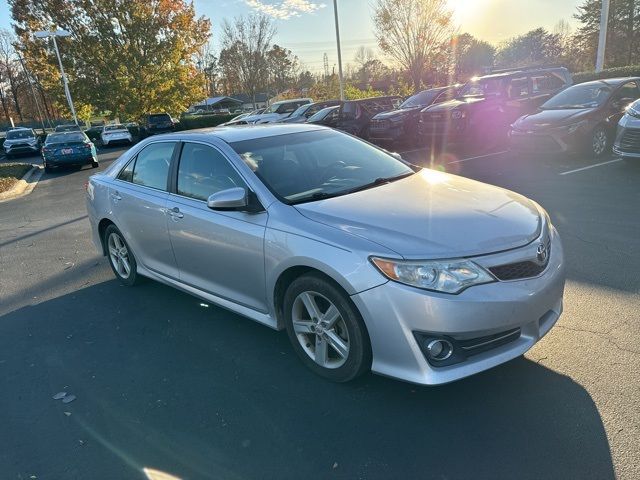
x=126 y=56
x=412 y=32
x=470 y=56
x=623 y=32
x=536 y=47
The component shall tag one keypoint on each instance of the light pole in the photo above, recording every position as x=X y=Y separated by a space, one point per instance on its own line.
x=335 y=13
x=65 y=82
x=602 y=38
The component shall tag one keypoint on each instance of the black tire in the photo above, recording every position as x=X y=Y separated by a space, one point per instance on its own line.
x=596 y=148
x=94 y=164
x=349 y=325
x=133 y=277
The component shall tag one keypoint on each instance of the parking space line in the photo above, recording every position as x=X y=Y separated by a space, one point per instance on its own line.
x=591 y=166
x=479 y=156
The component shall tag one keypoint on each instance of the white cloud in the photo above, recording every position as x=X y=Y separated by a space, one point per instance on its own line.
x=284 y=9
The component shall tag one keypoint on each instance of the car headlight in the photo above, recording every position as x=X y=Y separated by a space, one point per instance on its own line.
x=457 y=114
x=446 y=276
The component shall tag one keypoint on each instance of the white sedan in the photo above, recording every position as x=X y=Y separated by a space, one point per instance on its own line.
x=115 y=134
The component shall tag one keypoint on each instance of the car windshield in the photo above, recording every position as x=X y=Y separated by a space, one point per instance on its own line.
x=482 y=87
x=109 y=128
x=579 y=96
x=65 y=138
x=308 y=166
x=321 y=114
x=273 y=108
x=300 y=110
x=18 y=134
x=420 y=99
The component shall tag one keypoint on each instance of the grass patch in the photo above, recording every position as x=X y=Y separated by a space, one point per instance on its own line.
x=10 y=173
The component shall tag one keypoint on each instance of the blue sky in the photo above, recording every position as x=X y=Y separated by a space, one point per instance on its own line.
x=306 y=26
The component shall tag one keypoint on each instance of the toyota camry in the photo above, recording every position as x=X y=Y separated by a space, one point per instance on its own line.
x=367 y=262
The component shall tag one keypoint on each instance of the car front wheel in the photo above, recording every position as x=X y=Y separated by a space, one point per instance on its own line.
x=599 y=142
x=121 y=258
x=326 y=329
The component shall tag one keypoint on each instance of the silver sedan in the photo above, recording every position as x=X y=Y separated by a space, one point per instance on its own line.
x=369 y=263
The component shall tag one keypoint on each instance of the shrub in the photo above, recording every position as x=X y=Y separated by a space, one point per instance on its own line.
x=628 y=71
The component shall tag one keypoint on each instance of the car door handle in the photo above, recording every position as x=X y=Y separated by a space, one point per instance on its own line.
x=175 y=213
x=116 y=196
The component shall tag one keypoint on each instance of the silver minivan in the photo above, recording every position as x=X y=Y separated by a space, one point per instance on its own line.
x=368 y=262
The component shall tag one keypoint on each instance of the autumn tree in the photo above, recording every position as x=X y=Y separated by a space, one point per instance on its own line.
x=129 y=57
x=245 y=43
x=470 y=56
x=411 y=32
x=9 y=75
x=283 y=68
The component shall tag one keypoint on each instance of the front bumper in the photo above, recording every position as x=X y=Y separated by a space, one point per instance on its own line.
x=546 y=142
x=17 y=149
x=394 y=312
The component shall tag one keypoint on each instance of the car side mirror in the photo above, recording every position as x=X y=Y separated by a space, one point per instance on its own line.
x=235 y=199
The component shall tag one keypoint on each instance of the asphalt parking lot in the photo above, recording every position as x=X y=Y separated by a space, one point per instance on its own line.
x=163 y=381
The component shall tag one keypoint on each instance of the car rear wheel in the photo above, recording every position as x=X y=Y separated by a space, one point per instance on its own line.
x=94 y=164
x=326 y=329
x=599 y=142
x=121 y=258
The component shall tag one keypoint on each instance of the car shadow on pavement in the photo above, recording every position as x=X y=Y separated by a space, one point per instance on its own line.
x=165 y=381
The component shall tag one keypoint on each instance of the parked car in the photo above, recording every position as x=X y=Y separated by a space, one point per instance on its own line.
x=582 y=118
x=627 y=142
x=400 y=125
x=277 y=111
x=303 y=113
x=94 y=132
x=68 y=148
x=327 y=116
x=21 y=140
x=354 y=115
x=113 y=134
x=72 y=127
x=155 y=123
x=486 y=106
x=366 y=261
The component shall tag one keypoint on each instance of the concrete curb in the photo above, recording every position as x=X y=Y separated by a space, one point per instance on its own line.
x=24 y=186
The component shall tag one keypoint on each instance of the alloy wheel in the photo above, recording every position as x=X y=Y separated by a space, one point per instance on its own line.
x=599 y=142
x=320 y=329
x=119 y=255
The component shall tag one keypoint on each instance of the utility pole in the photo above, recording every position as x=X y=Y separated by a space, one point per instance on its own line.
x=335 y=13
x=602 y=39
x=65 y=82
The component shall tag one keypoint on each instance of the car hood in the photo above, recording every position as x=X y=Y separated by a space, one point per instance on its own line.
x=552 y=118
x=396 y=113
x=453 y=104
x=432 y=215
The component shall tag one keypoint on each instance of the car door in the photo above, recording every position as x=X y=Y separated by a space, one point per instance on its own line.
x=518 y=98
x=220 y=252
x=138 y=199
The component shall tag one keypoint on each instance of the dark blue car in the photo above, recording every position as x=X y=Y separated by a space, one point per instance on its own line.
x=68 y=148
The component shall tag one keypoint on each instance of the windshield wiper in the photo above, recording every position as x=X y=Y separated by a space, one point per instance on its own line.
x=380 y=181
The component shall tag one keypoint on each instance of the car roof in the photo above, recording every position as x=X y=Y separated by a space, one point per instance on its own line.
x=370 y=99
x=614 y=82
x=291 y=100
x=240 y=133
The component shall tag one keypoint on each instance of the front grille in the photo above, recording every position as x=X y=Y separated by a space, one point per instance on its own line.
x=523 y=269
x=630 y=140
x=537 y=143
x=379 y=124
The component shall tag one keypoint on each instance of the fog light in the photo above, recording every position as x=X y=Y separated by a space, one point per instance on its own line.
x=439 y=349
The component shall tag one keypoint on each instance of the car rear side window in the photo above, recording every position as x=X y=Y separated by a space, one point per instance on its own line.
x=546 y=82
x=203 y=171
x=518 y=87
x=151 y=166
